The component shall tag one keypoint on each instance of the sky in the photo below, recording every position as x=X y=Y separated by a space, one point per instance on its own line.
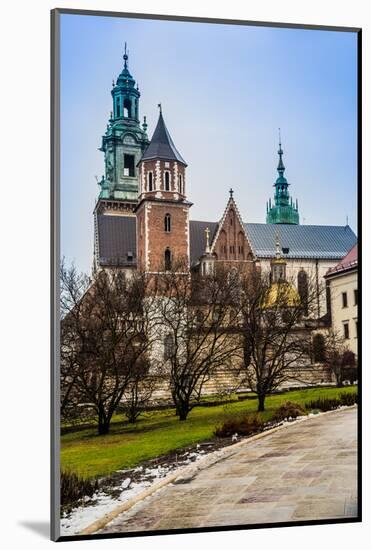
x=225 y=90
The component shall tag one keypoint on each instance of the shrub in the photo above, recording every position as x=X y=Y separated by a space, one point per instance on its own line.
x=348 y=399
x=327 y=404
x=246 y=425
x=74 y=488
x=288 y=410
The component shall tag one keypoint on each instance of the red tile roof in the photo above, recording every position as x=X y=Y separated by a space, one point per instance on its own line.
x=350 y=261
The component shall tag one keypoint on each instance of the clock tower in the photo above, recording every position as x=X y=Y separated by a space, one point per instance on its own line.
x=123 y=144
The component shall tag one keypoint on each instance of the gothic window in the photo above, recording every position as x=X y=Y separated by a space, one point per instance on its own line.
x=303 y=289
x=150 y=181
x=127 y=108
x=129 y=169
x=167 y=181
x=167 y=259
x=181 y=191
x=168 y=347
x=167 y=223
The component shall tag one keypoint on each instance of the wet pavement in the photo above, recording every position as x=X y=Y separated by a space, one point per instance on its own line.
x=305 y=471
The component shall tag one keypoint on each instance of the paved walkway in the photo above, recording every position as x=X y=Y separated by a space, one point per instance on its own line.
x=307 y=471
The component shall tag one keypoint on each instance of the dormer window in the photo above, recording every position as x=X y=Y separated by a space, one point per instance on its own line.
x=167 y=181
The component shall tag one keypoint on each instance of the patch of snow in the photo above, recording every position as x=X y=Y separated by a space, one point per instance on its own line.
x=101 y=503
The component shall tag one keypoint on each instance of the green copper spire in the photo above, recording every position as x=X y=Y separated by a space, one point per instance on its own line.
x=125 y=140
x=283 y=210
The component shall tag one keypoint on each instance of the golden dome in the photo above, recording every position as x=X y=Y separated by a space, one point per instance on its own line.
x=281 y=294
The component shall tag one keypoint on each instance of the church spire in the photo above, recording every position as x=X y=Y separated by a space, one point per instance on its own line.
x=126 y=57
x=124 y=141
x=280 y=167
x=283 y=210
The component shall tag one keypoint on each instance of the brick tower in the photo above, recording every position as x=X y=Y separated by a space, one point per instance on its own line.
x=163 y=210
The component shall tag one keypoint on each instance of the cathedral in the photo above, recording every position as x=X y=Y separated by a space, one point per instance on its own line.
x=142 y=215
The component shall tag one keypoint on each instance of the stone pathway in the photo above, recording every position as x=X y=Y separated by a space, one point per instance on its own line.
x=306 y=471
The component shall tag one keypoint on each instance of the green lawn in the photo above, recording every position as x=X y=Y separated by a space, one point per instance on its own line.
x=158 y=432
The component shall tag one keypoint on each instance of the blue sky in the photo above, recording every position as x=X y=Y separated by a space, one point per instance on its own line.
x=224 y=90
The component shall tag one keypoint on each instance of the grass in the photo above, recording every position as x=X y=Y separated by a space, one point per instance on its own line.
x=159 y=432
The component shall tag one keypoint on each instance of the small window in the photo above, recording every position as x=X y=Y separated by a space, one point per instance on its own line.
x=150 y=181
x=181 y=184
x=167 y=181
x=346 y=330
x=167 y=260
x=129 y=169
x=167 y=223
x=356 y=297
x=344 y=298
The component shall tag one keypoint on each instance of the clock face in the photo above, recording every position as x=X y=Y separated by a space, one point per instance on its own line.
x=129 y=140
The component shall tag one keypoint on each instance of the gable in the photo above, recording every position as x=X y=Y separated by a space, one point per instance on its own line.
x=231 y=241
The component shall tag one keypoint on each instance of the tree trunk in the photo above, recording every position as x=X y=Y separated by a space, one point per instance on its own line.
x=103 y=428
x=103 y=422
x=183 y=413
x=183 y=410
x=261 y=401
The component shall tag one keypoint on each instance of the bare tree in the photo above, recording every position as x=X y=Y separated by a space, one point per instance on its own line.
x=104 y=337
x=199 y=315
x=140 y=390
x=274 y=336
x=338 y=358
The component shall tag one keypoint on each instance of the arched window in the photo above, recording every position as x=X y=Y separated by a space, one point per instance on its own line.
x=150 y=181
x=181 y=190
x=303 y=289
x=167 y=181
x=167 y=259
x=167 y=223
x=168 y=347
x=127 y=108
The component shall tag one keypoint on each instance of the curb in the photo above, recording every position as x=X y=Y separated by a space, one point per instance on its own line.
x=187 y=473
